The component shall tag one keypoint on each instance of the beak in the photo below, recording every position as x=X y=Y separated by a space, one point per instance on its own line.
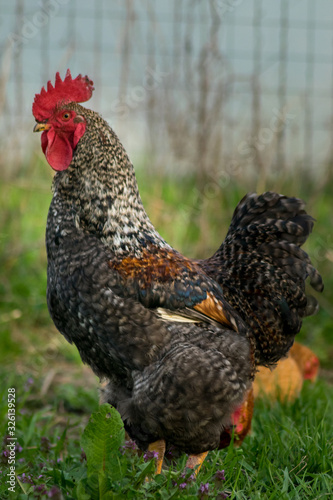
x=40 y=127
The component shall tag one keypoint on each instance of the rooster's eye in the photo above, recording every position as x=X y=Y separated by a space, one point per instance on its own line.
x=66 y=116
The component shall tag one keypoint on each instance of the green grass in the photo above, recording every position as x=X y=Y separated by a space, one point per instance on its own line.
x=288 y=454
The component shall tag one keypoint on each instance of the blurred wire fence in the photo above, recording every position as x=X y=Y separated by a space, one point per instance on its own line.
x=189 y=84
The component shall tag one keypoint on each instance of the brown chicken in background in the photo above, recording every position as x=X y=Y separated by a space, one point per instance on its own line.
x=286 y=380
x=306 y=360
x=241 y=422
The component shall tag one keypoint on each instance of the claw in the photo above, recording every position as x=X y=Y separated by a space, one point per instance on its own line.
x=159 y=447
x=196 y=461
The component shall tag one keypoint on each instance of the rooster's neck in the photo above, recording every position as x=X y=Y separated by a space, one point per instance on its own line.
x=101 y=189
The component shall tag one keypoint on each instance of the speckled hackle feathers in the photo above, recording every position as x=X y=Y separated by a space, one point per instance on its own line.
x=78 y=90
x=178 y=340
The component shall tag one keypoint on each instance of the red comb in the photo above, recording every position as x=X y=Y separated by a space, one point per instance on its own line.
x=78 y=90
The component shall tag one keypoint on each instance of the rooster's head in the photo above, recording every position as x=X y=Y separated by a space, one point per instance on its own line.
x=62 y=127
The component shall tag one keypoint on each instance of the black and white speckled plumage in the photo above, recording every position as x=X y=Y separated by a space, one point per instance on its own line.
x=263 y=270
x=109 y=273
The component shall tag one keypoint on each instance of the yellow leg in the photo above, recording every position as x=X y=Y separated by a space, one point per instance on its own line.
x=196 y=461
x=159 y=447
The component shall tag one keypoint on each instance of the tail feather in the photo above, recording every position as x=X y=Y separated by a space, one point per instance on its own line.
x=263 y=270
x=266 y=207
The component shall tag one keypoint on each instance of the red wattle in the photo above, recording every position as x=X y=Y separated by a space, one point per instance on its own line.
x=59 y=152
x=58 y=147
x=44 y=141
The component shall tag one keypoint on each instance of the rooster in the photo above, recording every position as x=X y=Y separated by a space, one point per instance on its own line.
x=178 y=340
